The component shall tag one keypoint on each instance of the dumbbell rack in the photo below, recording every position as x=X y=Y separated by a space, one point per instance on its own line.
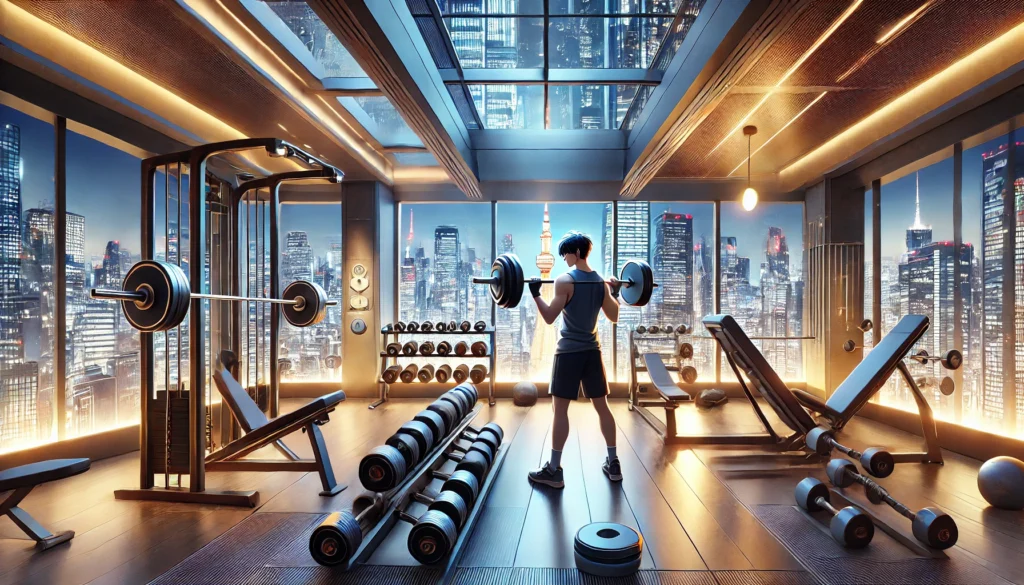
x=384 y=388
x=401 y=496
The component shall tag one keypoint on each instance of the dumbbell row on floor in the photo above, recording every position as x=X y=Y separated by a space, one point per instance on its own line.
x=877 y=462
x=444 y=348
x=443 y=373
x=427 y=327
x=849 y=527
x=930 y=525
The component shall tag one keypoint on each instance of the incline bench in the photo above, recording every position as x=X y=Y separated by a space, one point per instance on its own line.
x=261 y=432
x=22 y=480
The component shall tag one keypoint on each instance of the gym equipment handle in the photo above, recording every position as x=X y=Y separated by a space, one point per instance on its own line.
x=142 y=297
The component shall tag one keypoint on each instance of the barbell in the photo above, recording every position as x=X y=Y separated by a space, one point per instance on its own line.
x=155 y=296
x=507 y=281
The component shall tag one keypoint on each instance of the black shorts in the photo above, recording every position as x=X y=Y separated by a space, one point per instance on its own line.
x=576 y=370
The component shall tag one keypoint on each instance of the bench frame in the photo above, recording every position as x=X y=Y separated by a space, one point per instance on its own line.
x=43 y=537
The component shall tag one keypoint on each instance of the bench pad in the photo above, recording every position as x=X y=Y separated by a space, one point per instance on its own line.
x=41 y=472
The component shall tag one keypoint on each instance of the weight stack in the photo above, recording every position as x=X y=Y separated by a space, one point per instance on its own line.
x=156 y=419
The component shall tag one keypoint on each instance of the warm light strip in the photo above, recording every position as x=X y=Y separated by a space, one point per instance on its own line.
x=765 y=143
x=247 y=43
x=902 y=23
x=792 y=69
x=55 y=45
x=972 y=70
x=264 y=45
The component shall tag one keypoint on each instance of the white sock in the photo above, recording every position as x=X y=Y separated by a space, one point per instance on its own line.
x=556 y=460
x=611 y=453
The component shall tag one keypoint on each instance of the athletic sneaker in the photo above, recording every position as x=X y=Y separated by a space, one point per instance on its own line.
x=612 y=469
x=545 y=476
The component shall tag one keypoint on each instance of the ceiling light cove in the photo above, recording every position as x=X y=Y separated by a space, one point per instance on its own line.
x=903 y=23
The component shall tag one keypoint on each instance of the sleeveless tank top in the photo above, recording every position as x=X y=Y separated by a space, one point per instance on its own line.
x=579 y=317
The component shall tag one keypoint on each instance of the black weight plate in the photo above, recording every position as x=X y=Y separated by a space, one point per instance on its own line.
x=382 y=468
x=432 y=538
x=517 y=282
x=185 y=301
x=469 y=390
x=488 y=436
x=640 y=274
x=463 y=483
x=452 y=505
x=432 y=420
x=312 y=311
x=497 y=286
x=474 y=463
x=336 y=538
x=421 y=433
x=808 y=491
x=496 y=429
x=608 y=542
x=455 y=401
x=483 y=448
x=407 y=446
x=620 y=569
x=448 y=413
x=164 y=289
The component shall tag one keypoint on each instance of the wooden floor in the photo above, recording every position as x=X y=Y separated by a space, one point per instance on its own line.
x=693 y=505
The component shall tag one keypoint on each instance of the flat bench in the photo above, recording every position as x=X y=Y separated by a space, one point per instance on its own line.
x=22 y=480
x=662 y=379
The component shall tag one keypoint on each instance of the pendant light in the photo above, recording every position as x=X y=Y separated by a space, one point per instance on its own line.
x=749 y=199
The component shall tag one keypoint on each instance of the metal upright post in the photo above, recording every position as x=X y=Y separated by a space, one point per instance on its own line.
x=60 y=244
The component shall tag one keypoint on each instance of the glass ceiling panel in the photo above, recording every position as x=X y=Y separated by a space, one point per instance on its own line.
x=415 y=159
x=613 y=6
x=509 y=107
x=491 y=6
x=589 y=107
x=381 y=120
x=601 y=42
x=497 y=42
x=306 y=37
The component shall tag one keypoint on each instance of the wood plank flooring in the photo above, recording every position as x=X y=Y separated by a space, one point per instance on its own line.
x=693 y=505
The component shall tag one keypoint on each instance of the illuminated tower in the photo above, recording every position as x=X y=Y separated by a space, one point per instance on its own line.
x=542 y=350
x=918 y=235
x=407 y=280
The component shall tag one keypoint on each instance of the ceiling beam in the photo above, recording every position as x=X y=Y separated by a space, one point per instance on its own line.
x=360 y=28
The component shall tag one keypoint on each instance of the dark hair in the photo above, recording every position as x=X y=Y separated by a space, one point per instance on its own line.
x=575 y=243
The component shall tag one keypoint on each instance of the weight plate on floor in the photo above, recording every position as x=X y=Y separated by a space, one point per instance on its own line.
x=407 y=446
x=623 y=568
x=608 y=542
x=432 y=420
x=640 y=274
x=313 y=307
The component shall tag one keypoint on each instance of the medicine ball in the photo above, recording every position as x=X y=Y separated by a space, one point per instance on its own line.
x=524 y=394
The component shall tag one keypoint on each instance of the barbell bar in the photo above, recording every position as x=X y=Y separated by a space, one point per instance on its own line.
x=155 y=296
x=507 y=281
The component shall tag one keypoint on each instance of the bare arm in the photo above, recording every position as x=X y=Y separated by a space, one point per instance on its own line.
x=610 y=305
x=550 y=312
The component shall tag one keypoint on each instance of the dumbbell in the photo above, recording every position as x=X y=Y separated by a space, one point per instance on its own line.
x=480 y=326
x=491 y=433
x=688 y=374
x=479 y=348
x=412 y=327
x=427 y=348
x=877 y=462
x=433 y=534
x=951 y=360
x=409 y=373
x=930 y=525
x=461 y=373
x=393 y=349
x=427 y=327
x=459 y=401
x=400 y=326
x=390 y=375
x=386 y=465
x=849 y=527
x=441 y=326
x=452 y=326
x=465 y=326
x=461 y=348
x=444 y=348
x=410 y=348
x=338 y=537
x=387 y=328
x=426 y=373
x=684 y=329
x=685 y=351
x=482 y=447
x=641 y=329
x=444 y=372
x=654 y=329
x=478 y=373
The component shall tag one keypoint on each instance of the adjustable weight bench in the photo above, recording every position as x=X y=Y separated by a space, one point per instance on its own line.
x=262 y=432
x=868 y=378
x=22 y=480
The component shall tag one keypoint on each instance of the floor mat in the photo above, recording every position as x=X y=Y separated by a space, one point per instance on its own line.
x=885 y=561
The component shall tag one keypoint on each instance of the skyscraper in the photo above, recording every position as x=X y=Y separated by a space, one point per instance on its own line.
x=673 y=267
x=918 y=235
x=445 y=295
x=10 y=244
x=407 y=279
x=542 y=346
x=297 y=263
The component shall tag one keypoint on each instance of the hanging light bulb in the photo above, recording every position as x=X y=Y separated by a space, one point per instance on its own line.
x=749 y=199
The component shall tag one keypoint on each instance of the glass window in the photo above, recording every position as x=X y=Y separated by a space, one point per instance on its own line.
x=491 y=7
x=381 y=120
x=612 y=43
x=311 y=250
x=762 y=280
x=306 y=36
x=526 y=345
x=509 y=107
x=918 y=256
x=986 y=184
x=675 y=238
x=869 y=275
x=589 y=107
x=497 y=42
x=616 y=7
x=415 y=159
x=103 y=376
x=28 y=409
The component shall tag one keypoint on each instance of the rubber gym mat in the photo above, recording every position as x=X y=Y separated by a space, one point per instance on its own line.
x=765 y=578
x=493 y=543
x=536 y=576
x=885 y=561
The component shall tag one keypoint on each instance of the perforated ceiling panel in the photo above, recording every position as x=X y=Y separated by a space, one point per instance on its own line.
x=858 y=73
x=158 y=40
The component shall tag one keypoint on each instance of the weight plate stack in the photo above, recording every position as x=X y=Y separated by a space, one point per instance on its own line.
x=382 y=468
x=432 y=538
x=432 y=420
x=606 y=549
x=166 y=293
